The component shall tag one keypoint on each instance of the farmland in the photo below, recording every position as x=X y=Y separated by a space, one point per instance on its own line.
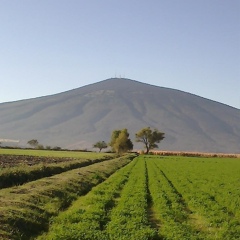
x=27 y=209
x=51 y=153
x=146 y=197
x=19 y=169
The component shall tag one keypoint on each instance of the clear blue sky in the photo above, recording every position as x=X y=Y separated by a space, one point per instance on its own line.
x=50 y=46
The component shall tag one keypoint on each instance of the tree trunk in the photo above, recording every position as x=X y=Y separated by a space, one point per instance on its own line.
x=147 y=151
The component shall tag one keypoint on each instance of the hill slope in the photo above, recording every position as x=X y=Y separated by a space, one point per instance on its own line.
x=80 y=117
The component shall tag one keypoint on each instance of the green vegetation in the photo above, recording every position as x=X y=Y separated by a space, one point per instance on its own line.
x=158 y=198
x=100 y=145
x=209 y=189
x=33 y=143
x=149 y=138
x=26 y=210
x=129 y=219
x=169 y=208
x=89 y=215
x=23 y=173
x=120 y=141
x=50 y=153
x=195 y=198
x=151 y=197
x=115 y=209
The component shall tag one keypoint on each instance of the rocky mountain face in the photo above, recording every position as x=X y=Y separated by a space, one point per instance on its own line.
x=78 y=118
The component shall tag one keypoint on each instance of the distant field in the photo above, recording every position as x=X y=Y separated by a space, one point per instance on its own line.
x=195 y=154
x=149 y=197
x=51 y=153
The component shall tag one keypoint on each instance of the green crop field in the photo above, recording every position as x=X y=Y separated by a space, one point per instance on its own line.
x=149 y=197
x=51 y=153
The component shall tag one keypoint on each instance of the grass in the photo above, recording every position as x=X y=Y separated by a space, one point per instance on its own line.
x=166 y=198
x=26 y=210
x=52 y=153
x=196 y=196
x=90 y=211
x=13 y=176
x=115 y=209
x=153 y=197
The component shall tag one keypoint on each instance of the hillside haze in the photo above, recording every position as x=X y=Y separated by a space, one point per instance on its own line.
x=78 y=118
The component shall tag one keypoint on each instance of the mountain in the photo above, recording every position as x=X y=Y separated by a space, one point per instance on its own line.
x=78 y=118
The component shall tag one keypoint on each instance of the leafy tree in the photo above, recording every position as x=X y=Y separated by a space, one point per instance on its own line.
x=149 y=138
x=114 y=136
x=100 y=145
x=34 y=143
x=120 y=141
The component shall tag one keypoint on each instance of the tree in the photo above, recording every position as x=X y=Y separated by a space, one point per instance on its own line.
x=100 y=145
x=120 y=141
x=149 y=138
x=34 y=143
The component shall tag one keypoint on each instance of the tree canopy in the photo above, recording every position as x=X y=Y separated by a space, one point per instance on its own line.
x=100 y=145
x=120 y=141
x=34 y=143
x=149 y=138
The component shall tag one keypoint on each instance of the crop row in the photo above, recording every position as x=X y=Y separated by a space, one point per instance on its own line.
x=158 y=198
x=26 y=210
x=211 y=191
x=171 y=210
x=88 y=216
x=115 y=209
x=129 y=219
x=22 y=174
x=150 y=198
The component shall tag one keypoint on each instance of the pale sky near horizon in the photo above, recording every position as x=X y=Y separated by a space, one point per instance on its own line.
x=47 y=47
